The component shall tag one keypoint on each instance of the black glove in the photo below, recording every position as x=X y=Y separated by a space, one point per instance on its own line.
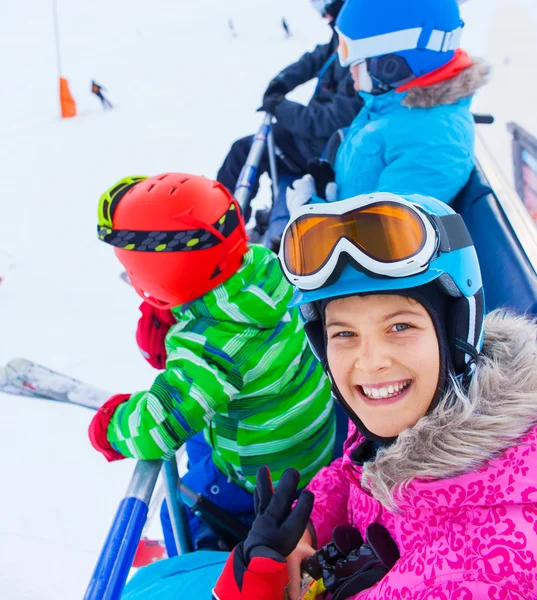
x=273 y=96
x=322 y=173
x=259 y=562
x=277 y=526
x=271 y=103
x=276 y=86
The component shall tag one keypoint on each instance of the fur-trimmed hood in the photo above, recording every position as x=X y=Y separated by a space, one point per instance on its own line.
x=468 y=429
x=465 y=84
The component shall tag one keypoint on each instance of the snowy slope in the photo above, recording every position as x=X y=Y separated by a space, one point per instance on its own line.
x=185 y=90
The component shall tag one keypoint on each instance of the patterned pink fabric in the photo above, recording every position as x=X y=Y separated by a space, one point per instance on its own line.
x=472 y=537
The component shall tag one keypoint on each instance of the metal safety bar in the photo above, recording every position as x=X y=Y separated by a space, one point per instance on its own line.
x=112 y=568
x=248 y=176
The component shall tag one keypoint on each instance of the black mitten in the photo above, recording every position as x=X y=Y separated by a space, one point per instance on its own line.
x=323 y=174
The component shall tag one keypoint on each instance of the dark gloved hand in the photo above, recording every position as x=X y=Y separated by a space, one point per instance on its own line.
x=324 y=177
x=271 y=103
x=274 y=94
x=277 y=527
x=276 y=87
x=349 y=567
x=259 y=562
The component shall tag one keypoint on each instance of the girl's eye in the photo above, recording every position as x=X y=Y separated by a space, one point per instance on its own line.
x=344 y=334
x=400 y=327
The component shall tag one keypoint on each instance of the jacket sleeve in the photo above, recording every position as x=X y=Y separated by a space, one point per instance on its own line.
x=262 y=578
x=307 y=67
x=200 y=379
x=318 y=119
x=330 y=508
x=427 y=164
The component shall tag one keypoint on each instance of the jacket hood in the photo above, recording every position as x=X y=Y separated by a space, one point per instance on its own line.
x=450 y=91
x=472 y=433
x=257 y=294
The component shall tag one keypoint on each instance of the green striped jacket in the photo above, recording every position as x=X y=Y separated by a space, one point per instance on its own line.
x=239 y=368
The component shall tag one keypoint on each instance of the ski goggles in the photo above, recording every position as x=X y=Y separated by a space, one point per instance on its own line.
x=352 y=52
x=381 y=234
x=200 y=237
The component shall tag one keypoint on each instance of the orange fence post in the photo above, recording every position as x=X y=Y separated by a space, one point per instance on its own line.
x=67 y=102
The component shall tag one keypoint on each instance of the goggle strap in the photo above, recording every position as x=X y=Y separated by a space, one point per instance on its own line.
x=205 y=237
x=454 y=234
x=116 y=195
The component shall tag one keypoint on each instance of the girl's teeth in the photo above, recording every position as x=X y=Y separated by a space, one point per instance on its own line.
x=386 y=391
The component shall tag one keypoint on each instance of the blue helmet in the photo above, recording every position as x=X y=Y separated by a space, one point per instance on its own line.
x=424 y=33
x=454 y=267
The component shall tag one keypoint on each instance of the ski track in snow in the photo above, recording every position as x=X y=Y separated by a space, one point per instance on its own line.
x=186 y=91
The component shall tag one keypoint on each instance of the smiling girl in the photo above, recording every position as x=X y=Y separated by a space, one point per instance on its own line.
x=442 y=448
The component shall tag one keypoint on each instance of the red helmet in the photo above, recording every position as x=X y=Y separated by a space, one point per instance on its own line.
x=177 y=235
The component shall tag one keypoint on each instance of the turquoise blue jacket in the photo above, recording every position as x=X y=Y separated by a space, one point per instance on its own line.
x=421 y=141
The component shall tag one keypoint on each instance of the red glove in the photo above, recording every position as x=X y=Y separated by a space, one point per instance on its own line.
x=99 y=425
x=153 y=326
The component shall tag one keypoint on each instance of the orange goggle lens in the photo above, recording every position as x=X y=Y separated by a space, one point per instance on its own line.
x=386 y=232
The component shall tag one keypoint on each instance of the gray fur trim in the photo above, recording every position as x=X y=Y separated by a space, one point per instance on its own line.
x=467 y=429
x=464 y=84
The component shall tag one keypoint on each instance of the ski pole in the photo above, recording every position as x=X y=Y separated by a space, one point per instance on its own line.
x=248 y=176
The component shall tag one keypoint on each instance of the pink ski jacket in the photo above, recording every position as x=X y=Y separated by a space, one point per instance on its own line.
x=458 y=491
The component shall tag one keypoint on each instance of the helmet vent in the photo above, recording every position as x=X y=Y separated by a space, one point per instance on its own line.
x=173 y=190
x=150 y=187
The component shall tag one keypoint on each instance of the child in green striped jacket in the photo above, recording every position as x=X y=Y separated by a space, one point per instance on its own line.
x=238 y=366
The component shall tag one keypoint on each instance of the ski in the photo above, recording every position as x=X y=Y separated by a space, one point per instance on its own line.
x=27 y=378
x=11 y=388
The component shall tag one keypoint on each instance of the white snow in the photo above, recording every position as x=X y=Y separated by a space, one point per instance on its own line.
x=185 y=90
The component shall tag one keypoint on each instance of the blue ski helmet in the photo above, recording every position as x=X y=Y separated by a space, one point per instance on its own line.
x=425 y=33
x=454 y=268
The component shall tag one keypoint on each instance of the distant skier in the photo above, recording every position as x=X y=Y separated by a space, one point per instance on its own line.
x=232 y=28
x=285 y=26
x=98 y=91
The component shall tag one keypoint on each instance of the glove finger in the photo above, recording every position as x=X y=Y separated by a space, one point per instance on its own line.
x=297 y=521
x=305 y=185
x=284 y=496
x=264 y=490
x=331 y=192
